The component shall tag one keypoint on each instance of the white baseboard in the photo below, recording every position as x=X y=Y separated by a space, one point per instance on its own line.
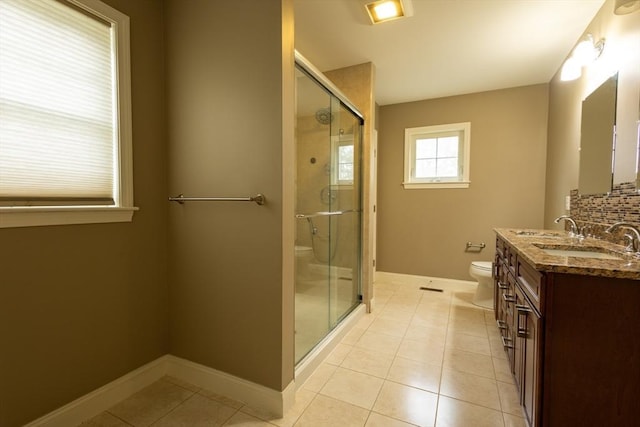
x=255 y=395
x=99 y=400
x=411 y=281
x=103 y=398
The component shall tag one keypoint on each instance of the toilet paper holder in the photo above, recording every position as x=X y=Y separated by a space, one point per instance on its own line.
x=479 y=246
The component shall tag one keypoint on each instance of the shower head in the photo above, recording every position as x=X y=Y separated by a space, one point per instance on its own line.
x=323 y=116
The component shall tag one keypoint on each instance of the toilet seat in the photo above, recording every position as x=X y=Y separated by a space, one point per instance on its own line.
x=482 y=265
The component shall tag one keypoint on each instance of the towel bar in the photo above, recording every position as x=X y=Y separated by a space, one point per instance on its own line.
x=258 y=198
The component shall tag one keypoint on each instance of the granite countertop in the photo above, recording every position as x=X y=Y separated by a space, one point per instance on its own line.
x=531 y=245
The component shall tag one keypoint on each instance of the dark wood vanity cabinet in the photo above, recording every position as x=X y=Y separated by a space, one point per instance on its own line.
x=572 y=341
x=519 y=323
x=527 y=343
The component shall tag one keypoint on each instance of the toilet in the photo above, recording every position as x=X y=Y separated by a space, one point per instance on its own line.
x=482 y=272
x=304 y=257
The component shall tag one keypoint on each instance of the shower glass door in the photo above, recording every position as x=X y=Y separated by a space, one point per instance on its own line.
x=328 y=212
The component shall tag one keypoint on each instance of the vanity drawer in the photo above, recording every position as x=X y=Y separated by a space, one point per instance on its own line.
x=531 y=281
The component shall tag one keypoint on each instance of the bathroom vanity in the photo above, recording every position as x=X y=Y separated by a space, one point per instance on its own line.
x=568 y=312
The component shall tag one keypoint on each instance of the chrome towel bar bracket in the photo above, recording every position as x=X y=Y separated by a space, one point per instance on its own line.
x=258 y=199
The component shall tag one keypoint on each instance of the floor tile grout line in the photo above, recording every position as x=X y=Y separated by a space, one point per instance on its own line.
x=393 y=418
x=115 y=416
x=315 y=395
x=175 y=407
x=435 y=421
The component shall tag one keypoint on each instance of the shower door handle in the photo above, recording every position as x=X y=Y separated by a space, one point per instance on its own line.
x=329 y=213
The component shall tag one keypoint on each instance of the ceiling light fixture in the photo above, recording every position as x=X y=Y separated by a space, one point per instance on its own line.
x=623 y=7
x=583 y=54
x=387 y=10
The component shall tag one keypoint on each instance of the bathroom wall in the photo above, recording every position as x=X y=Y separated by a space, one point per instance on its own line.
x=424 y=232
x=230 y=132
x=621 y=54
x=81 y=305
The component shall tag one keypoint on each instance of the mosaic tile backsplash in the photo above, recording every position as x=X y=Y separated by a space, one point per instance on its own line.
x=599 y=211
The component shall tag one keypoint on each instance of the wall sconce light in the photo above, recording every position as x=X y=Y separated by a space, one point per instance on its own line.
x=387 y=10
x=623 y=7
x=583 y=54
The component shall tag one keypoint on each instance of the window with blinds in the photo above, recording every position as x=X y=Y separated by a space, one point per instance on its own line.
x=64 y=105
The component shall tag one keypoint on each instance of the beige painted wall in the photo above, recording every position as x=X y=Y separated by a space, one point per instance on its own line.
x=81 y=305
x=229 y=118
x=621 y=54
x=424 y=232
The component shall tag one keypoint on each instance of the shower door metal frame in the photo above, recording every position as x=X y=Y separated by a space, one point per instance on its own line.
x=312 y=72
x=328 y=84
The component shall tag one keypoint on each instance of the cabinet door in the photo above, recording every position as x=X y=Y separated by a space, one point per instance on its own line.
x=509 y=333
x=528 y=329
x=500 y=281
x=519 y=341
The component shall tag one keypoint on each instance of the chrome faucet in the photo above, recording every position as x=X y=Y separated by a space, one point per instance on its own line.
x=574 y=232
x=634 y=236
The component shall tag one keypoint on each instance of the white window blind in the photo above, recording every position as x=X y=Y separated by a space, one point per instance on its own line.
x=58 y=125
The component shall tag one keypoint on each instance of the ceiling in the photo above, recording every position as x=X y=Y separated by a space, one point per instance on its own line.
x=448 y=47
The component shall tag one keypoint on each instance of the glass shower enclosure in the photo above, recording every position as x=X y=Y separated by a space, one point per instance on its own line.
x=328 y=208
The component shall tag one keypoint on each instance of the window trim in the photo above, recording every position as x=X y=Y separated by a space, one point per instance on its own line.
x=410 y=134
x=122 y=211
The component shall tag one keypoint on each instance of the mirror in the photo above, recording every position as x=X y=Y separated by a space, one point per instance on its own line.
x=638 y=148
x=597 y=139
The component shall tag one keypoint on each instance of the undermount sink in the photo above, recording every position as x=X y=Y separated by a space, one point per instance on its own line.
x=579 y=252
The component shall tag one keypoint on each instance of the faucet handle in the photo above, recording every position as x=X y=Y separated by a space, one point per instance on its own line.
x=629 y=238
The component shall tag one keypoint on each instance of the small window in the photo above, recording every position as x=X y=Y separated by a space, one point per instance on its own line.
x=437 y=156
x=343 y=156
x=65 y=114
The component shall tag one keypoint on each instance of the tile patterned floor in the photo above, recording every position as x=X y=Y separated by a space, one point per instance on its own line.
x=422 y=359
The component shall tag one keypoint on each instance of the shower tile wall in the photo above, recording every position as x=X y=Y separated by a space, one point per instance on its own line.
x=314 y=193
x=311 y=159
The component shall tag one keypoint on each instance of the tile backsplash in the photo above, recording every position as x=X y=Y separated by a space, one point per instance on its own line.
x=599 y=211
